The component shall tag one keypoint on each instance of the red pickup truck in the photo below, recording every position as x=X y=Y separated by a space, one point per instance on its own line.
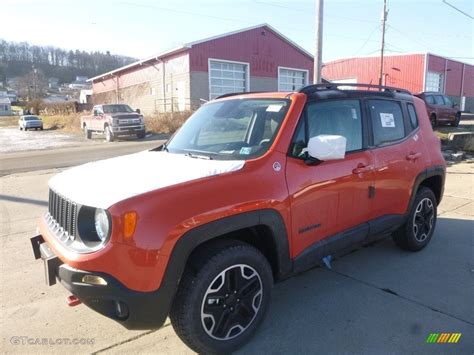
x=113 y=120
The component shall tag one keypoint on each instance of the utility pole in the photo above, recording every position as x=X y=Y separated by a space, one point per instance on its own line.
x=384 y=20
x=319 y=42
x=35 y=71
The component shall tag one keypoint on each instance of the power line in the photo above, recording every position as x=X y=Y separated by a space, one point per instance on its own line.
x=455 y=8
x=367 y=40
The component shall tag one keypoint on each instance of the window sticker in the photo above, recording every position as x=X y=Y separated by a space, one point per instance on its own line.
x=354 y=113
x=245 y=150
x=387 y=119
x=274 y=108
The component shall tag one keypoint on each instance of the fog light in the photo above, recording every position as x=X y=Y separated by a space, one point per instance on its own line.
x=94 y=280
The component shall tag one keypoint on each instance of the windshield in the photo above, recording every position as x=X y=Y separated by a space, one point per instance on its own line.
x=31 y=118
x=231 y=129
x=117 y=108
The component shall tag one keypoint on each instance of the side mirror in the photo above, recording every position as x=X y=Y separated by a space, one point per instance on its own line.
x=327 y=147
x=137 y=110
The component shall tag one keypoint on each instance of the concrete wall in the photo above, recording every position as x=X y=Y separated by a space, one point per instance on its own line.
x=143 y=86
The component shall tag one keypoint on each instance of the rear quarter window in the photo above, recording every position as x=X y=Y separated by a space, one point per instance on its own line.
x=412 y=115
x=387 y=121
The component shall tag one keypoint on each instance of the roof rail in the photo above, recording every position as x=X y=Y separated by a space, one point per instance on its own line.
x=239 y=93
x=311 y=89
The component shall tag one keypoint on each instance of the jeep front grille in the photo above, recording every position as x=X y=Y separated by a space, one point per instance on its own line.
x=63 y=212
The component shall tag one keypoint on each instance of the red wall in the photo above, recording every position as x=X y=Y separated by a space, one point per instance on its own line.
x=404 y=71
x=453 y=71
x=265 y=53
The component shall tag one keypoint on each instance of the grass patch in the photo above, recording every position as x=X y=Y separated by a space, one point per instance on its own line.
x=166 y=122
x=465 y=126
x=70 y=123
x=9 y=121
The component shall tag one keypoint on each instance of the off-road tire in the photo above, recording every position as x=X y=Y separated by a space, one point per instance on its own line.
x=415 y=238
x=87 y=133
x=188 y=315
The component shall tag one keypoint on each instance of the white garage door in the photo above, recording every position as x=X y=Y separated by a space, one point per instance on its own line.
x=226 y=77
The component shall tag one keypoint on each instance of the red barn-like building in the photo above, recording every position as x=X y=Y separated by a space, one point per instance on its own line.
x=253 y=59
x=414 y=72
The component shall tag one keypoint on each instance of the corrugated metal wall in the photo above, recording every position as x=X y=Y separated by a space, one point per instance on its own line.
x=260 y=47
x=404 y=71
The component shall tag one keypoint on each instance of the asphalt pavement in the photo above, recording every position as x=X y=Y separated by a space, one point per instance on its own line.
x=376 y=300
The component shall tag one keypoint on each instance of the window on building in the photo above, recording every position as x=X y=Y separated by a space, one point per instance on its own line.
x=291 y=79
x=387 y=121
x=434 y=82
x=152 y=91
x=227 y=77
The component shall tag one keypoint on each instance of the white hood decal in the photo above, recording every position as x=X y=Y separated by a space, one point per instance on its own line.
x=103 y=183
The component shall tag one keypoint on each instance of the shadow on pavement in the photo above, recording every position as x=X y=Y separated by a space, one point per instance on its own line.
x=378 y=300
x=25 y=200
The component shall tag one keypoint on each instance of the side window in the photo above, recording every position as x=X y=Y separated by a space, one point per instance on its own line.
x=387 y=121
x=429 y=99
x=447 y=101
x=413 y=117
x=439 y=100
x=339 y=117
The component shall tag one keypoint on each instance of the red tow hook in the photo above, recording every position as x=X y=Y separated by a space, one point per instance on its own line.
x=73 y=301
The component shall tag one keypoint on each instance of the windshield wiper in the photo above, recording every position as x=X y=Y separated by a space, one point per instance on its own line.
x=197 y=156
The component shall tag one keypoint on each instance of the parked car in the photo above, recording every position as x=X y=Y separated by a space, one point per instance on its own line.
x=441 y=109
x=253 y=188
x=27 y=122
x=114 y=121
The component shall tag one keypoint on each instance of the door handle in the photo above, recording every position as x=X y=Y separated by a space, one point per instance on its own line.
x=363 y=169
x=413 y=156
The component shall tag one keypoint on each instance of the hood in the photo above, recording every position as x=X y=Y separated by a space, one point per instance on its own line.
x=103 y=183
x=125 y=115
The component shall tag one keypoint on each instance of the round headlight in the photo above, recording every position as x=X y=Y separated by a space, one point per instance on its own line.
x=101 y=224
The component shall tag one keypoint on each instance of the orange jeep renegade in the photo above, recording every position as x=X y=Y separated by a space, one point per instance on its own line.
x=252 y=189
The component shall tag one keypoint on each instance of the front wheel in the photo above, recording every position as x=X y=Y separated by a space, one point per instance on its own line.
x=109 y=137
x=87 y=133
x=457 y=119
x=419 y=227
x=433 y=121
x=219 y=306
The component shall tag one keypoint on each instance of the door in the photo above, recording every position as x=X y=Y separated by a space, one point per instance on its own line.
x=332 y=196
x=398 y=153
x=450 y=108
x=441 y=108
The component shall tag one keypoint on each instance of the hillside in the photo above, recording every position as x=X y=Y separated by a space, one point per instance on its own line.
x=18 y=59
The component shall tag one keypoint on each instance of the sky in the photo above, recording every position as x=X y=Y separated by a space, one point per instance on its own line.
x=142 y=28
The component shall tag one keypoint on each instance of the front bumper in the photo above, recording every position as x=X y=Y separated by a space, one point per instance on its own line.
x=128 y=130
x=132 y=309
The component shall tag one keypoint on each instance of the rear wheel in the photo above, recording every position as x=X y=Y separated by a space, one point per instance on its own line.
x=220 y=304
x=109 y=137
x=457 y=119
x=433 y=121
x=87 y=133
x=419 y=227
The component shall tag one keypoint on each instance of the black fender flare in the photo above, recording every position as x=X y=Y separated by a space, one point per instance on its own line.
x=437 y=170
x=206 y=232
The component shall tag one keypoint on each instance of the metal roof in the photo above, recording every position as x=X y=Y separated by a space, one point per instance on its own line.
x=4 y=100
x=189 y=45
